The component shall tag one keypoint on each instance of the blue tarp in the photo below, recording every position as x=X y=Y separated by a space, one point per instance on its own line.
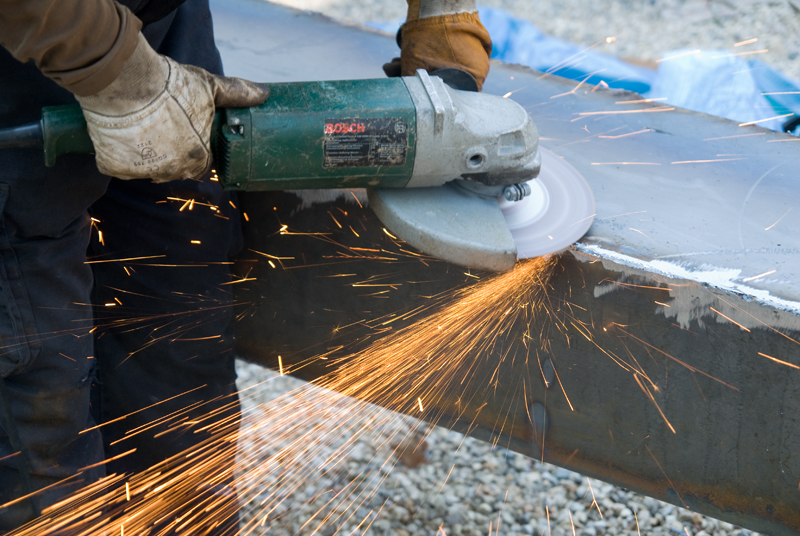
x=713 y=82
x=719 y=83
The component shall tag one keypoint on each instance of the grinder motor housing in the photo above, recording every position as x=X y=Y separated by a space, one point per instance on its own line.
x=405 y=132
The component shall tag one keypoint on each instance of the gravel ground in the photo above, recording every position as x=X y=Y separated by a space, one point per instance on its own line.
x=442 y=483
x=454 y=485
x=645 y=29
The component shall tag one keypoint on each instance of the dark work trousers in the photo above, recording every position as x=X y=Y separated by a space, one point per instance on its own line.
x=165 y=344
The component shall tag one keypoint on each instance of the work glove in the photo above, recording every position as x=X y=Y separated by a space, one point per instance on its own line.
x=442 y=34
x=154 y=120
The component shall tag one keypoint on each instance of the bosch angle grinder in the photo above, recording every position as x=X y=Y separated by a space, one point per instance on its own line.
x=448 y=171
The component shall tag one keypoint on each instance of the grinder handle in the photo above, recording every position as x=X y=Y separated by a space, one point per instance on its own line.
x=64 y=132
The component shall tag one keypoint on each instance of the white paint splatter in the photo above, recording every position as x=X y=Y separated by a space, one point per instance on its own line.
x=728 y=279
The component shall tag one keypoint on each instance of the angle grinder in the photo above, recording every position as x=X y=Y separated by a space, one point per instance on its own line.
x=444 y=168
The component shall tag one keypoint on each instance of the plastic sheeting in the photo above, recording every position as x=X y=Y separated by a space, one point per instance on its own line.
x=518 y=41
x=719 y=83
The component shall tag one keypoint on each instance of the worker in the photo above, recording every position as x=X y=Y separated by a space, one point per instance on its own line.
x=93 y=349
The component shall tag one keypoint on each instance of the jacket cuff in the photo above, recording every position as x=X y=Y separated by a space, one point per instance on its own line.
x=92 y=79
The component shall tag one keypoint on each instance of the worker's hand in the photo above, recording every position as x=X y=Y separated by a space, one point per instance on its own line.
x=154 y=120
x=442 y=34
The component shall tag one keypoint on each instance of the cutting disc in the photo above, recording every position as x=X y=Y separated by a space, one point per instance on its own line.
x=460 y=226
x=558 y=212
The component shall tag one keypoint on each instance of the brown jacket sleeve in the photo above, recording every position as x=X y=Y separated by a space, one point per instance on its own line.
x=81 y=44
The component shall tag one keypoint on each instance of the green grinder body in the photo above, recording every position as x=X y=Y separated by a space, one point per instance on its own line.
x=342 y=134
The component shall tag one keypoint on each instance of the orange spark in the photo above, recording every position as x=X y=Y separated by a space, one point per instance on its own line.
x=625 y=164
x=625 y=135
x=765 y=274
x=746 y=42
x=594 y=500
x=126 y=260
x=741 y=53
x=335 y=220
x=652 y=398
x=573 y=90
x=665 y=476
x=729 y=319
x=707 y=161
x=356 y=198
x=273 y=256
x=640 y=101
x=777 y=222
x=617 y=112
x=764 y=120
x=625 y=214
x=736 y=136
x=547 y=510
x=792 y=365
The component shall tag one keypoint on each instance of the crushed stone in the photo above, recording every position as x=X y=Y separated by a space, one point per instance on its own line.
x=442 y=483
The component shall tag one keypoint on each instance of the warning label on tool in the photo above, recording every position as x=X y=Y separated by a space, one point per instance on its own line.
x=365 y=142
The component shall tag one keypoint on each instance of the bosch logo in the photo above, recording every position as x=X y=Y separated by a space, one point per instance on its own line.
x=345 y=128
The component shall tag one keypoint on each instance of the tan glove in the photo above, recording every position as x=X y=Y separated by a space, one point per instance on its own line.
x=154 y=120
x=443 y=34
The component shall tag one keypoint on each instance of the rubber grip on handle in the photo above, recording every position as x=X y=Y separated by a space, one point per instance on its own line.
x=64 y=132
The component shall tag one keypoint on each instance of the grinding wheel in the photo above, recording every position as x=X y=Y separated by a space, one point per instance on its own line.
x=490 y=233
x=558 y=212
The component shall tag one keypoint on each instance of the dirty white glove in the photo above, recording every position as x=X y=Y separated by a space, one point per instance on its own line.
x=154 y=120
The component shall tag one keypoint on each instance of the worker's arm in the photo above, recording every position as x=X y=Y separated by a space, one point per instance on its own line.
x=441 y=34
x=148 y=116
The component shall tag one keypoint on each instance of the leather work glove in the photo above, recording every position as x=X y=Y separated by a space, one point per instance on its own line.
x=442 y=34
x=154 y=120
